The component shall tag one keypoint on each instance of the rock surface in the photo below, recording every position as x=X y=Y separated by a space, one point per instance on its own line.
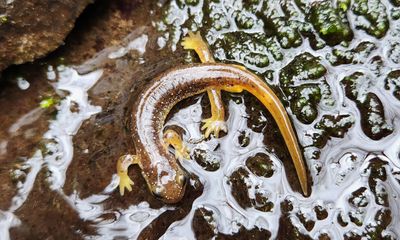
x=32 y=28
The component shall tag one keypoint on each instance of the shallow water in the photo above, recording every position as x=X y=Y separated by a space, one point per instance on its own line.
x=58 y=162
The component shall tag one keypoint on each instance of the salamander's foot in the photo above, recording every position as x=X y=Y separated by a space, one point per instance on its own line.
x=174 y=139
x=182 y=153
x=125 y=182
x=122 y=170
x=214 y=126
x=193 y=42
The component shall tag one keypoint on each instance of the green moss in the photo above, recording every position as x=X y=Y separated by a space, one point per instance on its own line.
x=247 y=49
x=243 y=21
x=3 y=19
x=328 y=22
x=286 y=30
x=304 y=65
x=339 y=57
x=395 y=14
x=304 y=102
x=48 y=102
x=288 y=36
x=375 y=12
x=343 y=5
x=298 y=84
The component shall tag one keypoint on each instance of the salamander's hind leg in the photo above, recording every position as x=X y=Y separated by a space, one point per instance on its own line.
x=122 y=170
x=216 y=122
x=172 y=138
x=195 y=42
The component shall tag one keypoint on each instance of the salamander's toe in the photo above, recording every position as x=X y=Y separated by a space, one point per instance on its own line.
x=182 y=153
x=124 y=182
x=213 y=126
x=192 y=41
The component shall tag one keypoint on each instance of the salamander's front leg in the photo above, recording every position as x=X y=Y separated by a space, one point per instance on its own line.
x=216 y=122
x=172 y=138
x=122 y=170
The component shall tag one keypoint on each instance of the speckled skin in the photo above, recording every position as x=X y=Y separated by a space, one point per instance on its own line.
x=164 y=177
x=160 y=168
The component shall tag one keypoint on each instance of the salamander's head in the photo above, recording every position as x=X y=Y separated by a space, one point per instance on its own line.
x=172 y=190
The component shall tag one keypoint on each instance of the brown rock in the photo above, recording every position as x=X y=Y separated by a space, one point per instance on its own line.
x=32 y=28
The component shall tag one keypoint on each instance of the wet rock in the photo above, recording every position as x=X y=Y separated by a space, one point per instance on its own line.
x=32 y=28
x=373 y=120
x=97 y=147
x=206 y=160
x=68 y=224
x=241 y=184
x=240 y=187
x=246 y=234
x=320 y=212
x=306 y=221
x=358 y=198
x=378 y=174
x=260 y=165
x=357 y=217
x=324 y=236
x=392 y=83
x=287 y=229
x=18 y=141
x=244 y=139
x=332 y=126
x=374 y=11
x=395 y=3
x=262 y=203
x=342 y=220
x=382 y=219
x=259 y=118
x=394 y=53
x=359 y=54
x=204 y=225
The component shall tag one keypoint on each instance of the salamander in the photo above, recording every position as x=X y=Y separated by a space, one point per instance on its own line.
x=161 y=170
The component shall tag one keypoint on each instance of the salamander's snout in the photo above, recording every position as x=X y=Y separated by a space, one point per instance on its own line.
x=172 y=191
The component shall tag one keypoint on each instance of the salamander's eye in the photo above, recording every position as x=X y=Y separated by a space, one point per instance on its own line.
x=185 y=180
x=182 y=180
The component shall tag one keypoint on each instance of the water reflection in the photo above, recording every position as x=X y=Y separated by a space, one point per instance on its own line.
x=115 y=222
